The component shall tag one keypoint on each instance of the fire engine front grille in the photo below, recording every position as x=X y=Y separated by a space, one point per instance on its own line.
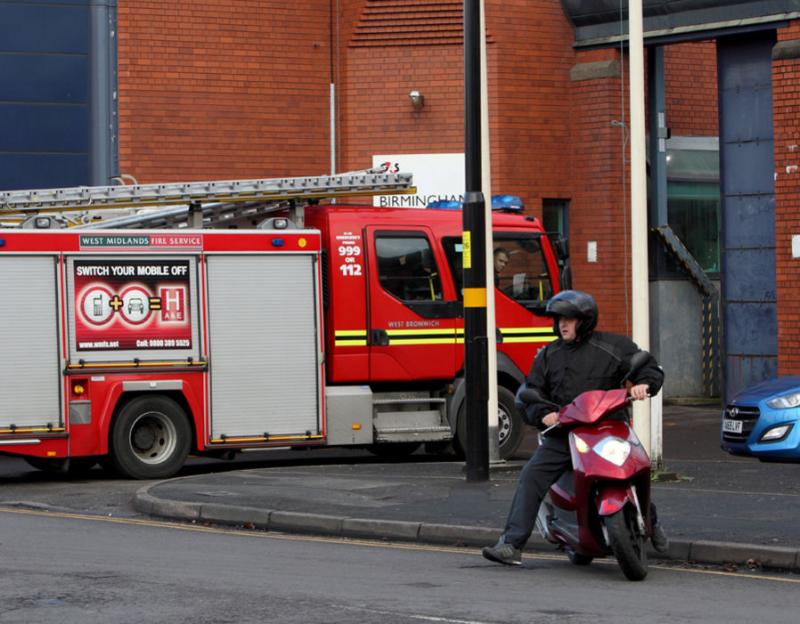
x=746 y=415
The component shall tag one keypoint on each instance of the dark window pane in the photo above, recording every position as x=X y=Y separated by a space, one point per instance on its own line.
x=693 y=214
x=406 y=268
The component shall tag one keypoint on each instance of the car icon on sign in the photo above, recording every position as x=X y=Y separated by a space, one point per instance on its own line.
x=135 y=303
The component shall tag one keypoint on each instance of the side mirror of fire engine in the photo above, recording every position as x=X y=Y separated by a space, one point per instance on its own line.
x=562 y=253
x=562 y=248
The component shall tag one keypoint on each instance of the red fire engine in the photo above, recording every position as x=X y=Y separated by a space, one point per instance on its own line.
x=331 y=325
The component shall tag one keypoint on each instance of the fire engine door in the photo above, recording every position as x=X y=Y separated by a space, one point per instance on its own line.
x=412 y=307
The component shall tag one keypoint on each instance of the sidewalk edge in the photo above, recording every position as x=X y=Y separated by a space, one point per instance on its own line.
x=694 y=552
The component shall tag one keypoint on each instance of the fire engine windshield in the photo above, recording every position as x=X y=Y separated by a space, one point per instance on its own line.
x=520 y=270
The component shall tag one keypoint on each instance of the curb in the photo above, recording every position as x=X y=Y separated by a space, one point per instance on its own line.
x=701 y=552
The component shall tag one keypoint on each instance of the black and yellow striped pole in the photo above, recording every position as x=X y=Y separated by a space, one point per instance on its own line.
x=474 y=258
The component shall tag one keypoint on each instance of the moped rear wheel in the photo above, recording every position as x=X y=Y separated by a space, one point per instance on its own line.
x=627 y=543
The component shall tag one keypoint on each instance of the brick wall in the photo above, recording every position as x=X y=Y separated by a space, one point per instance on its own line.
x=786 y=119
x=376 y=76
x=600 y=208
x=219 y=89
x=691 y=88
x=529 y=57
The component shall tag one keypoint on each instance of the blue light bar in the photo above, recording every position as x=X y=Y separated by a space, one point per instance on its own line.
x=444 y=204
x=507 y=203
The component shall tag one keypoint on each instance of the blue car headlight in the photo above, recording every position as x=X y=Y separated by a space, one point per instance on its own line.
x=785 y=401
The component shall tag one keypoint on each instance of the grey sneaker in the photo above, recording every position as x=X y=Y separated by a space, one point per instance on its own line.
x=503 y=553
x=659 y=539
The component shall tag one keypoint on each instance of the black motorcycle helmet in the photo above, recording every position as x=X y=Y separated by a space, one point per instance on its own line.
x=574 y=304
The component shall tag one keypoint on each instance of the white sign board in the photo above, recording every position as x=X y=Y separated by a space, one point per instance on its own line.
x=436 y=176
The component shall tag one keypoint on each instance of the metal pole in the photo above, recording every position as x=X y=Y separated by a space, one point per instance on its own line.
x=474 y=258
x=639 y=261
x=103 y=140
x=486 y=180
x=658 y=206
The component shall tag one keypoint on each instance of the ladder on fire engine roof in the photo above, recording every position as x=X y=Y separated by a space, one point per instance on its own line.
x=220 y=203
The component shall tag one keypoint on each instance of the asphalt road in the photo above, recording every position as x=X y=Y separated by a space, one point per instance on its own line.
x=67 y=569
x=691 y=437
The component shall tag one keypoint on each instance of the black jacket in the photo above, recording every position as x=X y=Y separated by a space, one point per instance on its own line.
x=598 y=361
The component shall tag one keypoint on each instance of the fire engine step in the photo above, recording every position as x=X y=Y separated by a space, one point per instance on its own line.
x=407 y=420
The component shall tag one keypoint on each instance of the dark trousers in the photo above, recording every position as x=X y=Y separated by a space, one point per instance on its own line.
x=545 y=467
x=548 y=463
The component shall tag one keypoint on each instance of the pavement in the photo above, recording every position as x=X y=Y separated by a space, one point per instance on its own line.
x=716 y=509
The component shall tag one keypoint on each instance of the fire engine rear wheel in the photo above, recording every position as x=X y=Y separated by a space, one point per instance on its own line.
x=150 y=439
x=510 y=427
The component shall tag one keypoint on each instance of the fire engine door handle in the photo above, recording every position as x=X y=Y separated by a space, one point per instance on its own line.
x=379 y=338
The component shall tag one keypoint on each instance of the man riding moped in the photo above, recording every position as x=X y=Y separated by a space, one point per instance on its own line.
x=581 y=359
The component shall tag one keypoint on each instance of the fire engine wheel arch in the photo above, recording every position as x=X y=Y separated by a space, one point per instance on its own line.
x=510 y=425
x=150 y=437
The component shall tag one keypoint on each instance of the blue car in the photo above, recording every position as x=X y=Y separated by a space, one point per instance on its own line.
x=763 y=421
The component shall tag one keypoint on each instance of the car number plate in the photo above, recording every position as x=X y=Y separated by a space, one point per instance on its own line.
x=732 y=426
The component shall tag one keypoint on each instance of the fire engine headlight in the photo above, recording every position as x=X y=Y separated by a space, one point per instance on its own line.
x=785 y=401
x=614 y=450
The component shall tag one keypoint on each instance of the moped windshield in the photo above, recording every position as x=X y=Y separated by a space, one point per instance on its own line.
x=589 y=407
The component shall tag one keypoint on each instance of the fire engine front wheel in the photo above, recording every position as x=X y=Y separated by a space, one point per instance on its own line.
x=510 y=427
x=150 y=438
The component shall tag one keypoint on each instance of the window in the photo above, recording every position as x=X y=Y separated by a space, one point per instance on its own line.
x=406 y=267
x=693 y=214
x=555 y=218
x=693 y=202
x=520 y=268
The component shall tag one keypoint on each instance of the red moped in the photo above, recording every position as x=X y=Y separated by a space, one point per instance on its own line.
x=602 y=506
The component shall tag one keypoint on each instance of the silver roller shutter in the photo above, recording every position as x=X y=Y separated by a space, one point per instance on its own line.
x=263 y=346
x=29 y=362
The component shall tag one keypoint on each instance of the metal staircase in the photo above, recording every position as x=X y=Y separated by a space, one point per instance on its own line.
x=711 y=337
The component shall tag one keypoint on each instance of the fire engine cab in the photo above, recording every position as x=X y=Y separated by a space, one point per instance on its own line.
x=334 y=325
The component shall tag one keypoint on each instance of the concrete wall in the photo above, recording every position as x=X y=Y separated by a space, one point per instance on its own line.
x=676 y=332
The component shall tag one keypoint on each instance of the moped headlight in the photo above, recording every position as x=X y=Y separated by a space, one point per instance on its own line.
x=614 y=450
x=785 y=401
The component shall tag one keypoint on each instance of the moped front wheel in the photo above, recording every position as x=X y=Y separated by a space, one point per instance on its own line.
x=627 y=543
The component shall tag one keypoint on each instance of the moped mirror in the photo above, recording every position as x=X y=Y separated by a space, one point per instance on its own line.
x=638 y=361
x=529 y=395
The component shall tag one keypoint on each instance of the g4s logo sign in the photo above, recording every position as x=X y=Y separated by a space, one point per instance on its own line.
x=390 y=167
